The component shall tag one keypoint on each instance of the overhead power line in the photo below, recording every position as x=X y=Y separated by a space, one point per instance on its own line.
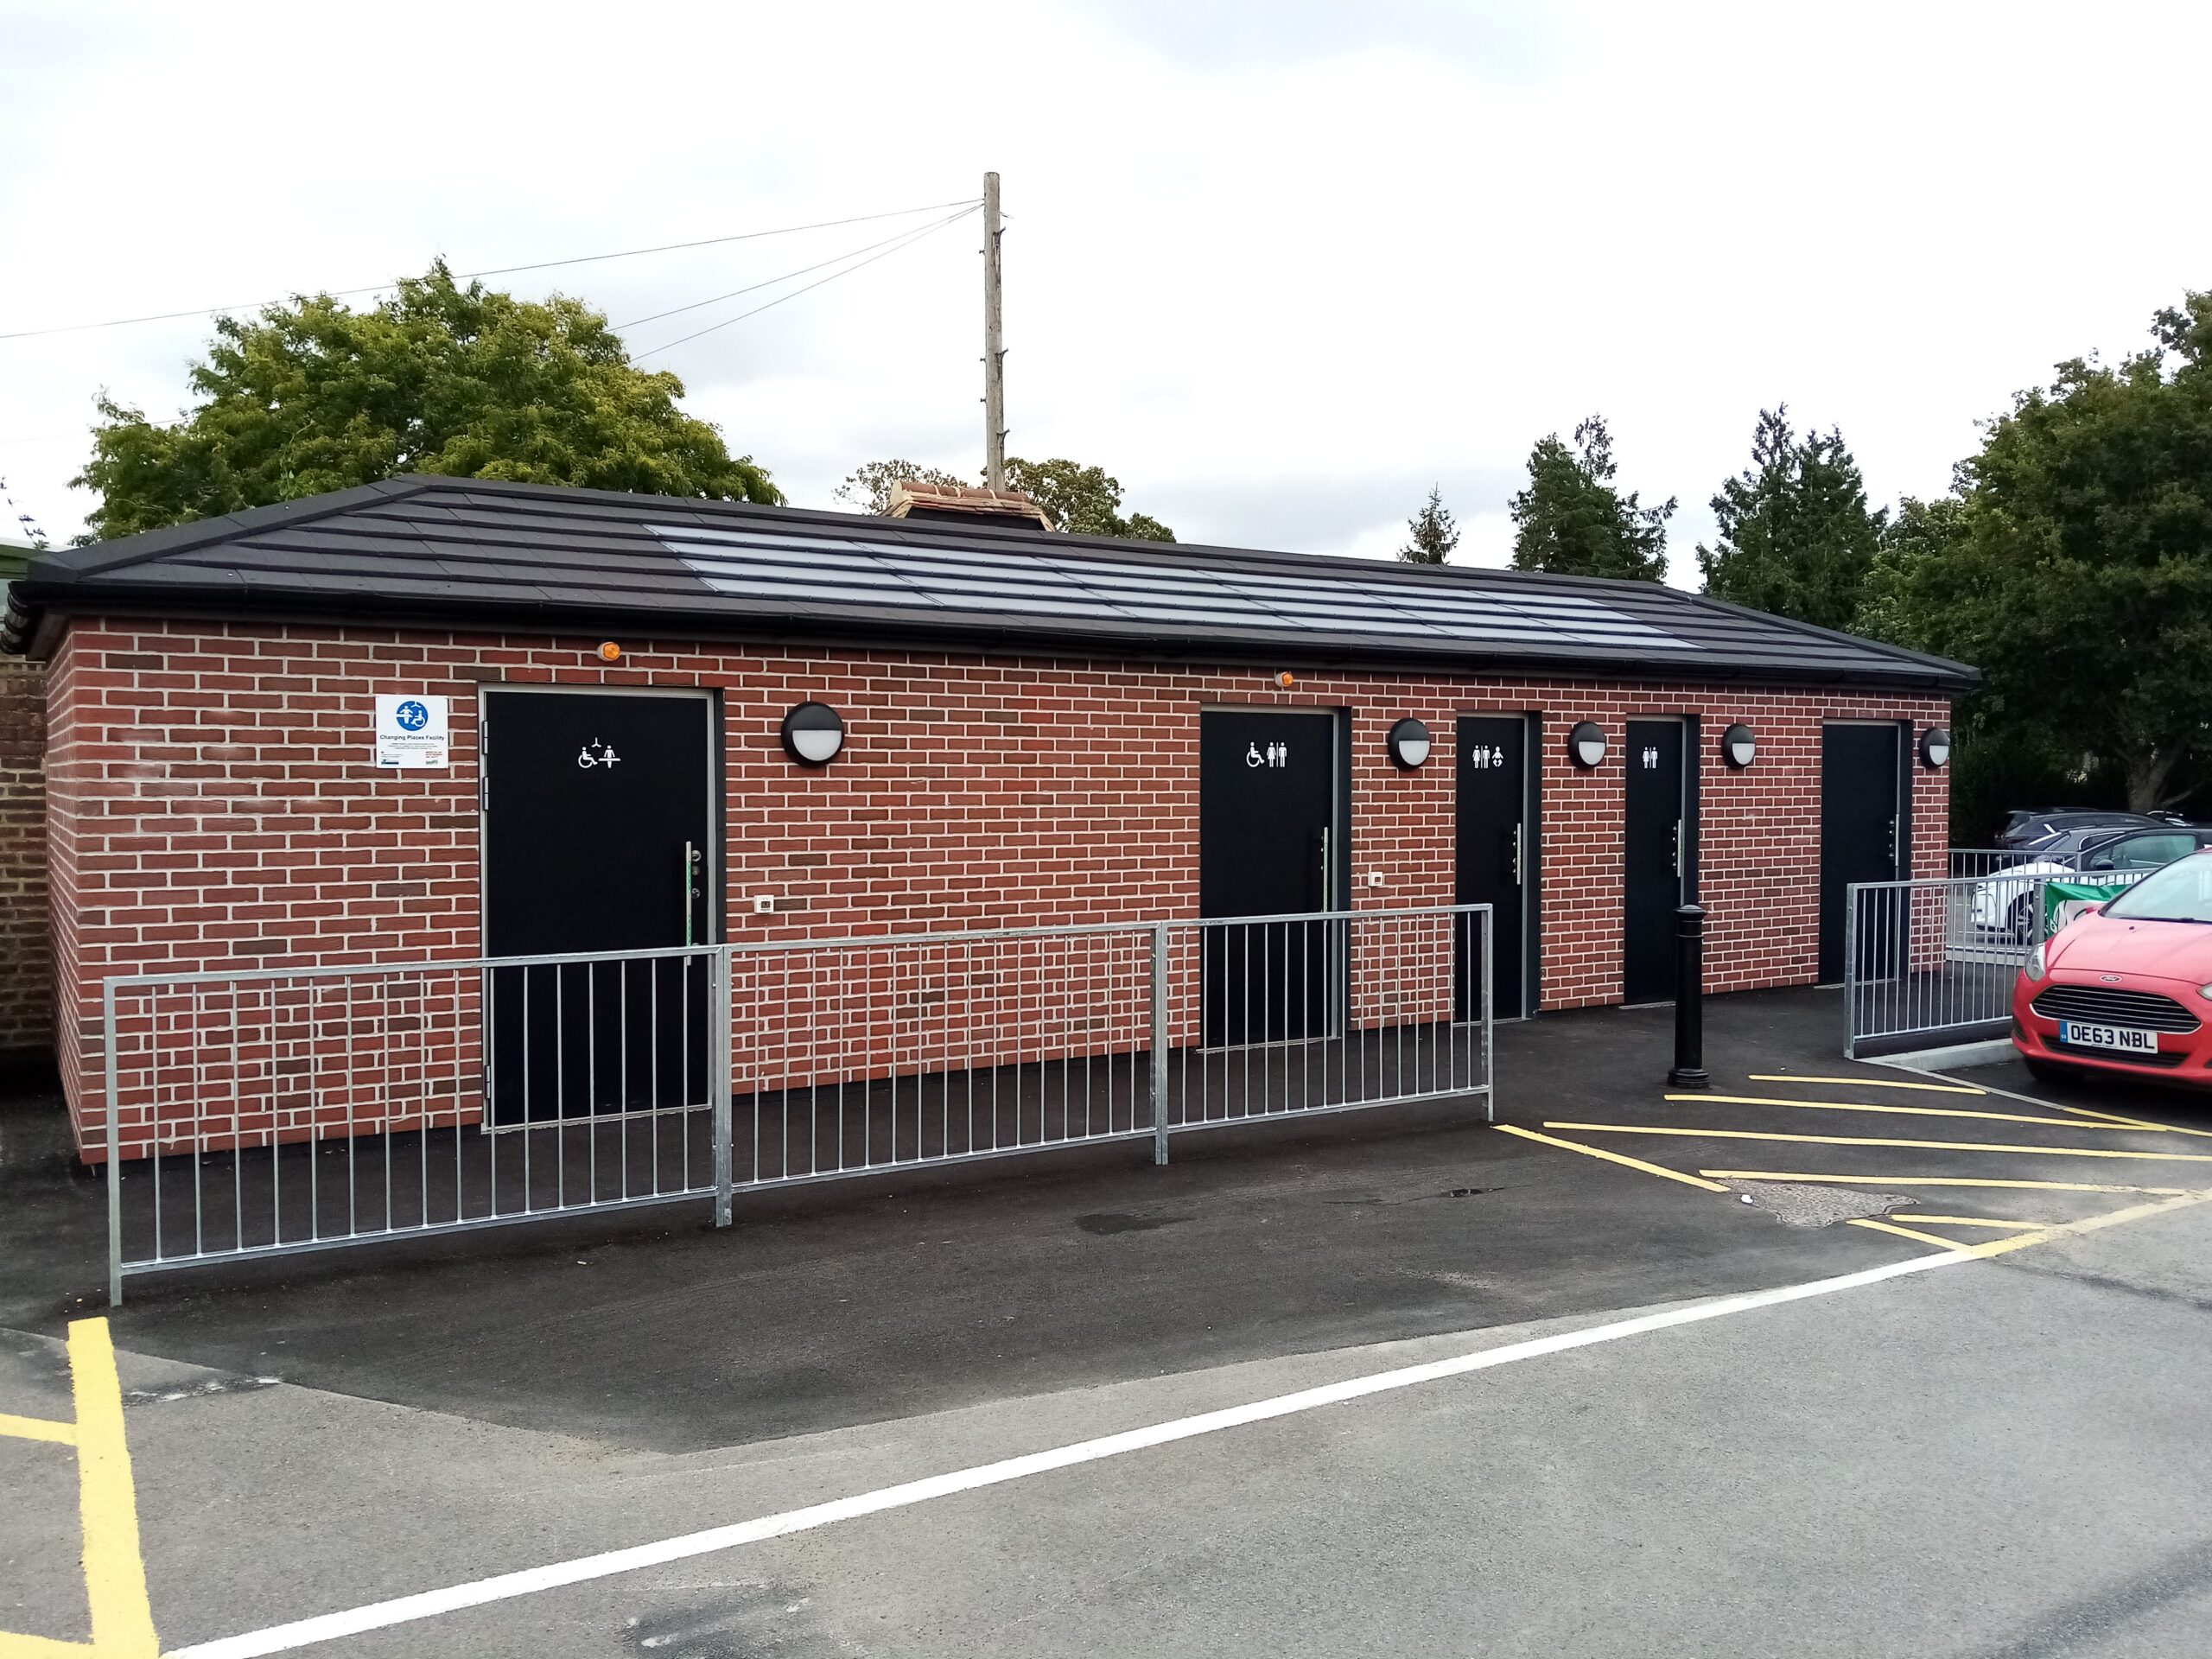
x=899 y=243
x=504 y=270
x=770 y=281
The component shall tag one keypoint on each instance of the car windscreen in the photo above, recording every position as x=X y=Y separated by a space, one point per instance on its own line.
x=2180 y=893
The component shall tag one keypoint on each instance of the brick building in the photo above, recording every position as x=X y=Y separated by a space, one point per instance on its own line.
x=26 y=954
x=437 y=718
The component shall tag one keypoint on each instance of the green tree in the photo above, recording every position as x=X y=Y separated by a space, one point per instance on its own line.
x=1435 y=532
x=1795 y=535
x=2074 y=565
x=1082 y=500
x=313 y=395
x=868 y=486
x=1572 y=521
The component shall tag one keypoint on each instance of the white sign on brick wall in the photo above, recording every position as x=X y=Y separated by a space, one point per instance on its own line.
x=411 y=730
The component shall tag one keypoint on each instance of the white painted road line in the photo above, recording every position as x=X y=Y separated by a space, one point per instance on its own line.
x=429 y=1603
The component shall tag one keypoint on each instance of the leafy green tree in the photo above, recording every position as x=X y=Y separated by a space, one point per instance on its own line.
x=1082 y=500
x=313 y=395
x=868 y=486
x=2074 y=565
x=1796 y=535
x=1435 y=532
x=1572 y=521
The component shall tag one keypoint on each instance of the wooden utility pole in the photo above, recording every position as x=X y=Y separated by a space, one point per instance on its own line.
x=993 y=344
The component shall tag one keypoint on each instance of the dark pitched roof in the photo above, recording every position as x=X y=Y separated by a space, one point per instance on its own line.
x=448 y=551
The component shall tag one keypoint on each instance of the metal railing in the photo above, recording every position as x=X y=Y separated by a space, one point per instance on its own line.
x=1987 y=861
x=1931 y=962
x=285 y=1110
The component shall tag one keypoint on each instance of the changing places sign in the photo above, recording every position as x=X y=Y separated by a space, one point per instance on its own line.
x=411 y=730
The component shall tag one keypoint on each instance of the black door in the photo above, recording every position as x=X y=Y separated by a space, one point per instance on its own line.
x=1655 y=855
x=1858 y=839
x=598 y=836
x=1267 y=798
x=1496 y=857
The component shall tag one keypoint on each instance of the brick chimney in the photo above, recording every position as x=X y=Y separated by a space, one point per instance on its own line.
x=912 y=499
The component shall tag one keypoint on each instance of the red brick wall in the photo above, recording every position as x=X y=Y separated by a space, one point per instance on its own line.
x=26 y=952
x=215 y=807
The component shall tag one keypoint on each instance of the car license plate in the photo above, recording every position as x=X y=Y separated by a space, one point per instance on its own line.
x=2125 y=1039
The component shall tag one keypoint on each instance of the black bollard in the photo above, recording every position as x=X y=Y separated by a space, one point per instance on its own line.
x=1689 y=1000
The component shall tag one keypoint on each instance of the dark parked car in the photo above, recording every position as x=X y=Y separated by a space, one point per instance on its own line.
x=2003 y=901
x=2026 y=830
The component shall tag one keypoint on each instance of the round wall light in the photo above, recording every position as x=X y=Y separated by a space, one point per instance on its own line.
x=813 y=734
x=1586 y=744
x=1935 y=746
x=609 y=652
x=1738 y=746
x=1409 y=743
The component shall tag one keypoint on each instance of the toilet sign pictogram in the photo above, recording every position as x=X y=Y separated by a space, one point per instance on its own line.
x=411 y=731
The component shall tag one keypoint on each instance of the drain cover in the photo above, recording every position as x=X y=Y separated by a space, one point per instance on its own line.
x=1796 y=1204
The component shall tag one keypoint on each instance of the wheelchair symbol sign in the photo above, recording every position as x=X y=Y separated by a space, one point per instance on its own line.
x=410 y=715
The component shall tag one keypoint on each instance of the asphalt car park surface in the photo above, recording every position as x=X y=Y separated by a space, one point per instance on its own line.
x=2002 y=1455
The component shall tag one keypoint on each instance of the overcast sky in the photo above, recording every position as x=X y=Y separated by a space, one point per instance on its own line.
x=1278 y=267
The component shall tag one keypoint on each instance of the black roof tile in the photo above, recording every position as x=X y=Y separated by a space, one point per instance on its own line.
x=442 y=551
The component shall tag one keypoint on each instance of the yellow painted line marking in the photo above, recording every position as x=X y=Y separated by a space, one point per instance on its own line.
x=1936 y=1180
x=14 y=1645
x=1981 y=1221
x=2119 y=1122
x=1867 y=1140
x=1904 y=1232
x=2083 y=1111
x=2113 y=1218
x=1869 y=1082
x=1900 y=1111
x=37 y=1428
x=115 y=1571
x=1611 y=1158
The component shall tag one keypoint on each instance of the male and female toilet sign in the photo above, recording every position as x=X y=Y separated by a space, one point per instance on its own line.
x=411 y=730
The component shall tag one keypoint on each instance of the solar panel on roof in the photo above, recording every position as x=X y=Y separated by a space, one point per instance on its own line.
x=757 y=564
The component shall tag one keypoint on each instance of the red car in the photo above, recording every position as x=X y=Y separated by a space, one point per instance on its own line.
x=2126 y=988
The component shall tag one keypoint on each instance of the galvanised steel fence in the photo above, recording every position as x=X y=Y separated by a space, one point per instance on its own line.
x=1987 y=861
x=1931 y=962
x=284 y=1111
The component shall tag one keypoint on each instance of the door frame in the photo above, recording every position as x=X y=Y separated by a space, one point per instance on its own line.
x=1900 y=851
x=716 y=911
x=1687 y=804
x=1532 y=846
x=717 y=745
x=1339 y=881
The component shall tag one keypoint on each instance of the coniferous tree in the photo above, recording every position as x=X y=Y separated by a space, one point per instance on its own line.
x=1796 y=535
x=1572 y=521
x=1435 y=533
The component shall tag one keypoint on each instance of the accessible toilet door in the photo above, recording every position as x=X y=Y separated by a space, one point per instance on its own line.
x=598 y=836
x=1267 y=805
